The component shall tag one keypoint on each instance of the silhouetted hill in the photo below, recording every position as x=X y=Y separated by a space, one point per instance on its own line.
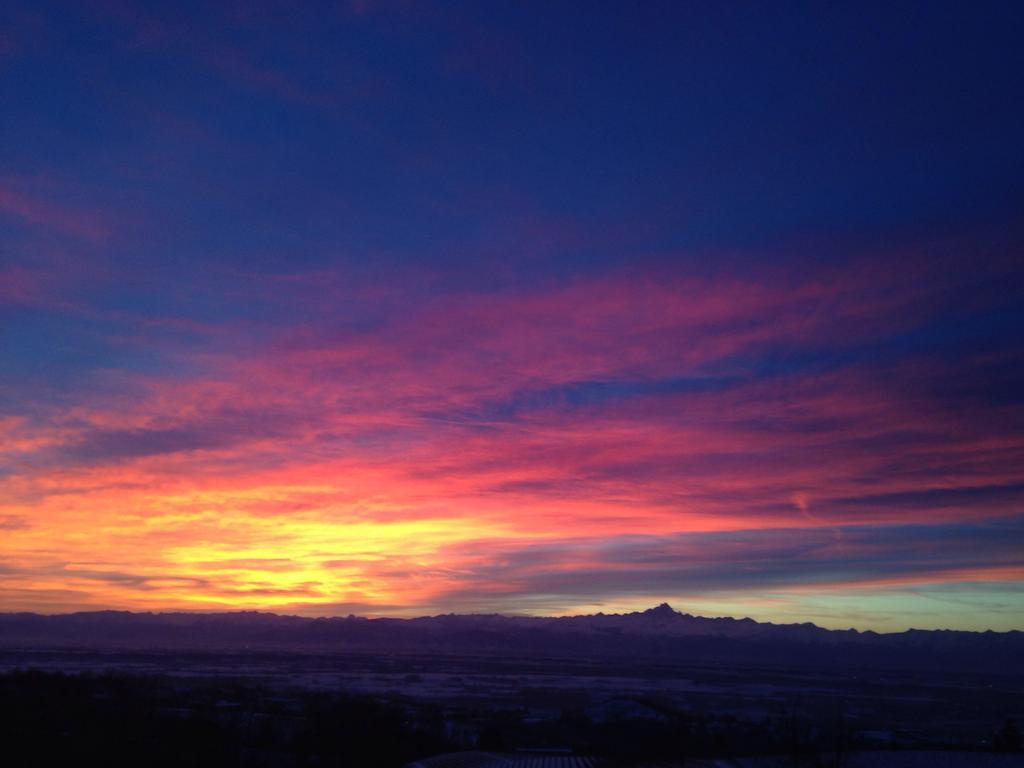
x=657 y=634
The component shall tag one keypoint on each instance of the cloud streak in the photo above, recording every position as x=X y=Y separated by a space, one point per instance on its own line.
x=611 y=439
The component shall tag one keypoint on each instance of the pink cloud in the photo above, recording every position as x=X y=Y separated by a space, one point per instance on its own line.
x=56 y=217
x=608 y=407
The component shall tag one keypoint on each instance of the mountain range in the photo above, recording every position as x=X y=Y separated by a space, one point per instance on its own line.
x=657 y=635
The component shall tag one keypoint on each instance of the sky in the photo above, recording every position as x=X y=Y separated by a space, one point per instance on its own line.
x=404 y=308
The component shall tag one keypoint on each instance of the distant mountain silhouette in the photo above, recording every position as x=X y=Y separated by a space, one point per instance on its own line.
x=656 y=635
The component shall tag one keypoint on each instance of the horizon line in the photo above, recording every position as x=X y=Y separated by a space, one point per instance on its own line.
x=660 y=607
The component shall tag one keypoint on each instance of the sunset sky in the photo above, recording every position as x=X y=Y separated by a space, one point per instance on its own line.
x=397 y=308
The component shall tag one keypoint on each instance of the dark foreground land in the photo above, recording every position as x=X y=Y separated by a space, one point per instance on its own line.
x=174 y=708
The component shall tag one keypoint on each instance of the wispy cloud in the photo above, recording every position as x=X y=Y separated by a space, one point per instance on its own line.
x=613 y=436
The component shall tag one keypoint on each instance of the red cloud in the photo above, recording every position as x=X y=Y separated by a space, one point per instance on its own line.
x=612 y=407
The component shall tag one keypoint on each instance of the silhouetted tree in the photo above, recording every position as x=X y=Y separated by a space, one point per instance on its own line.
x=491 y=739
x=1007 y=738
